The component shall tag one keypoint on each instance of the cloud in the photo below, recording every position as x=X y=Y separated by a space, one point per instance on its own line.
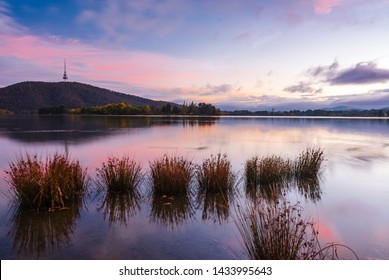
x=7 y=24
x=223 y=88
x=118 y=17
x=325 y=6
x=372 y=100
x=326 y=71
x=302 y=87
x=362 y=73
x=243 y=37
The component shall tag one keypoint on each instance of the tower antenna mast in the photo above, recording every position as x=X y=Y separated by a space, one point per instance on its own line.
x=65 y=76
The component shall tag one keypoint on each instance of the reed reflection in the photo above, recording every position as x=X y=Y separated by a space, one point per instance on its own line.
x=309 y=188
x=215 y=206
x=38 y=234
x=273 y=176
x=216 y=187
x=171 y=211
x=119 y=179
x=119 y=207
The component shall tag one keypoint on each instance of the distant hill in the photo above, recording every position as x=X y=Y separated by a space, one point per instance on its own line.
x=30 y=96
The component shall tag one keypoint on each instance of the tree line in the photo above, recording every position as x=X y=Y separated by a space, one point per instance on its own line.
x=128 y=109
x=314 y=113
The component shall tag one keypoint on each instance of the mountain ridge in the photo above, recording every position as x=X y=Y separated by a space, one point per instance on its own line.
x=33 y=95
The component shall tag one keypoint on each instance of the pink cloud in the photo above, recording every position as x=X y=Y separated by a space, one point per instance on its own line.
x=325 y=6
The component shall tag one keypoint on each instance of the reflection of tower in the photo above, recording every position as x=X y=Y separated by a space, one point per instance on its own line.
x=65 y=76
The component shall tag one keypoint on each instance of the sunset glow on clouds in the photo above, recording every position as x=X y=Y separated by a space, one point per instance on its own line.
x=237 y=54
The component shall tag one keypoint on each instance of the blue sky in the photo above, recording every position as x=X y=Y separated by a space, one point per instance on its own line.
x=246 y=54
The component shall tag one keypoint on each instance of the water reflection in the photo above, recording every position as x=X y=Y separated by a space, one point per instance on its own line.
x=216 y=207
x=36 y=234
x=119 y=207
x=171 y=211
x=79 y=128
x=308 y=187
x=270 y=192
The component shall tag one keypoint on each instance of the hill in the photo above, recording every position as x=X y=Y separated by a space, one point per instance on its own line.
x=30 y=96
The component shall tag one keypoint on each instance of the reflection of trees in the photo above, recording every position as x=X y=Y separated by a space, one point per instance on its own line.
x=81 y=128
x=171 y=210
x=37 y=233
x=200 y=121
x=118 y=208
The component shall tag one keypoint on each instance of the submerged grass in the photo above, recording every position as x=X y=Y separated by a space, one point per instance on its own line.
x=52 y=183
x=171 y=175
x=120 y=175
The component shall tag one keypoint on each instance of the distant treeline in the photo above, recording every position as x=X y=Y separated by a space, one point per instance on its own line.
x=128 y=109
x=5 y=112
x=314 y=113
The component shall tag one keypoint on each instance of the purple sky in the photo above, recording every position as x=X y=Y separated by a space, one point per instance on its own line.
x=282 y=54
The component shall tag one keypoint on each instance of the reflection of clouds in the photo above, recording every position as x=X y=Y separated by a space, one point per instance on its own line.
x=356 y=207
x=366 y=153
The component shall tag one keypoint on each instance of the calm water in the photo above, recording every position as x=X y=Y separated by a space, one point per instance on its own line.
x=351 y=207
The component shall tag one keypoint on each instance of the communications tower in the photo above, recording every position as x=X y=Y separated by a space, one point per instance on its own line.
x=65 y=76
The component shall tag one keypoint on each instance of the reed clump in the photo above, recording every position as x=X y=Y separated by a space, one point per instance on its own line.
x=267 y=171
x=171 y=175
x=277 y=231
x=309 y=163
x=277 y=172
x=120 y=175
x=54 y=182
x=215 y=175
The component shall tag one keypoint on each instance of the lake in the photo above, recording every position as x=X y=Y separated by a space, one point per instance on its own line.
x=351 y=206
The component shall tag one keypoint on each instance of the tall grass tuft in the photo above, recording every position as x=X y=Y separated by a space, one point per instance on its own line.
x=215 y=175
x=120 y=178
x=216 y=182
x=52 y=183
x=309 y=163
x=120 y=175
x=171 y=175
x=272 y=171
x=270 y=175
x=277 y=231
